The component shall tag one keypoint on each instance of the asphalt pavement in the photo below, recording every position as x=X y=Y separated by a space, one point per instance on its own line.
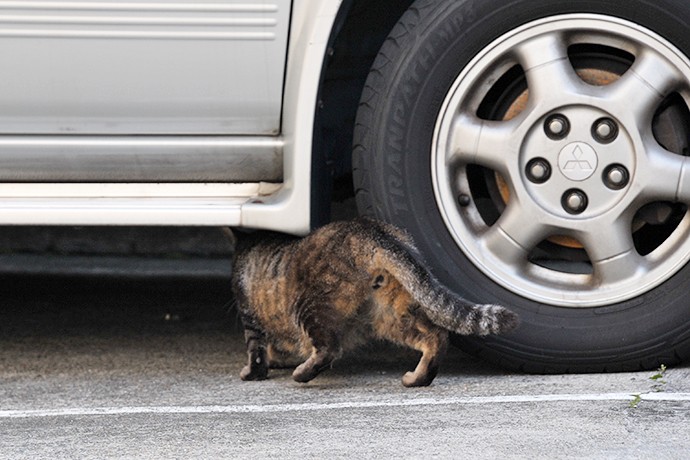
x=109 y=367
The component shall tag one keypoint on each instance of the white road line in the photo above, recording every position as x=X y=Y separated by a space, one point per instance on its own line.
x=252 y=408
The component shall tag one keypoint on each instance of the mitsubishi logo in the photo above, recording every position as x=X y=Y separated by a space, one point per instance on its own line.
x=577 y=161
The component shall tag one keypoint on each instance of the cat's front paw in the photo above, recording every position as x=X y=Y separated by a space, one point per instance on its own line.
x=254 y=373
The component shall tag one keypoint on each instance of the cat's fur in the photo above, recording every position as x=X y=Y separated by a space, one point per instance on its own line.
x=345 y=284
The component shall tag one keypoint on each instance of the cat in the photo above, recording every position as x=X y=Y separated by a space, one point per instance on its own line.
x=345 y=284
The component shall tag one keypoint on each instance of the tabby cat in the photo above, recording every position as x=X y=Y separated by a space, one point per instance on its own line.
x=346 y=283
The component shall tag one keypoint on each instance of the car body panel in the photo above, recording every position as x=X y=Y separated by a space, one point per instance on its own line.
x=142 y=67
x=157 y=172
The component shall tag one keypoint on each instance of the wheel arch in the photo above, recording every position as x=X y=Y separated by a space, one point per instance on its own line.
x=359 y=30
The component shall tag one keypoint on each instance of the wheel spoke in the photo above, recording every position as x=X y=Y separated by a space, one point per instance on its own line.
x=665 y=176
x=608 y=239
x=487 y=143
x=623 y=267
x=498 y=243
x=683 y=190
x=549 y=73
x=612 y=252
x=541 y=50
x=514 y=235
x=644 y=86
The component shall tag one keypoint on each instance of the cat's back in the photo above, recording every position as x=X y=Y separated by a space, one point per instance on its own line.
x=261 y=257
x=340 y=255
x=332 y=247
x=352 y=242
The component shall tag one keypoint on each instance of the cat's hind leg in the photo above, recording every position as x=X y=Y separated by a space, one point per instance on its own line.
x=397 y=318
x=433 y=345
x=319 y=360
x=319 y=323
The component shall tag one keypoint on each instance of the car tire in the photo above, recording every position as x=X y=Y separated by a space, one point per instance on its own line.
x=473 y=134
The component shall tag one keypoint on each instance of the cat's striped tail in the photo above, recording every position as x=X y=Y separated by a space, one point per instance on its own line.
x=443 y=307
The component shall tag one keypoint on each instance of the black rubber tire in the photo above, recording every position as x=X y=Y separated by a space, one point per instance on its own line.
x=407 y=84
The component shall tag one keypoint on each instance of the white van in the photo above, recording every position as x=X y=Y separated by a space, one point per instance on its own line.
x=538 y=152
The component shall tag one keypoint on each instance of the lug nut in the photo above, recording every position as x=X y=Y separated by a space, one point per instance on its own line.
x=556 y=127
x=616 y=177
x=574 y=201
x=464 y=200
x=604 y=130
x=538 y=170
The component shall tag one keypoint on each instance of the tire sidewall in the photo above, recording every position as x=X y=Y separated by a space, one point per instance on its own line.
x=429 y=48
